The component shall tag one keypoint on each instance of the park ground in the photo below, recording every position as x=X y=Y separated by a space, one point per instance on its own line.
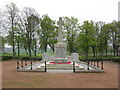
x=14 y=79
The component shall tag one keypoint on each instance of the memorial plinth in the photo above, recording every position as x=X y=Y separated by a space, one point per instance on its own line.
x=60 y=47
x=60 y=50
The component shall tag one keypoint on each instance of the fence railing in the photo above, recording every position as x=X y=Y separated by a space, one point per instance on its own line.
x=89 y=63
x=22 y=63
x=94 y=63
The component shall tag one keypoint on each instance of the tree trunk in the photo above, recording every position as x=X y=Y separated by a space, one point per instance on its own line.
x=13 y=50
x=100 y=50
x=111 y=52
x=106 y=46
x=117 y=50
x=69 y=45
x=18 y=49
x=13 y=42
x=114 y=49
x=101 y=53
x=26 y=50
x=3 y=51
x=45 y=48
x=106 y=52
x=96 y=53
x=71 y=51
x=114 y=52
x=52 y=47
x=86 y=52
x=93 y=49
x=29 y=49
x=35 y=52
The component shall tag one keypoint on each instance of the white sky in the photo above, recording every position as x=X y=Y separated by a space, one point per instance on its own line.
x=97 y=10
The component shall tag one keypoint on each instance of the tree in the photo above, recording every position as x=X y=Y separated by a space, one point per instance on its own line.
x=86 y=38
x=11 y=14
x=48 y=33
x=105 y=34
x=99 y=37
x=2 y=44
x=30 y=23
x=0 y=21
x=71 y=26
x=114 y=34
x=53 y=36
x=23 y=43
x=93 y=38
x=34 y=25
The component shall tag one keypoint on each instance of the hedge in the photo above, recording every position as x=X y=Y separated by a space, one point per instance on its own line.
x=114 y=59
x=9 y=57
x=31 y=58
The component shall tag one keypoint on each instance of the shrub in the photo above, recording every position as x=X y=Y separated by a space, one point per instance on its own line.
x=114 y=59
x=24 y=58
x=40 y=55
x=7 y=57
x=31 y=58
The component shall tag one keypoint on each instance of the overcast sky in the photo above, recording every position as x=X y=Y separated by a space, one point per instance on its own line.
x=97 y=10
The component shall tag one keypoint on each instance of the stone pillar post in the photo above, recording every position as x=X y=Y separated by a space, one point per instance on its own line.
x=75 y=56
x=45 y=57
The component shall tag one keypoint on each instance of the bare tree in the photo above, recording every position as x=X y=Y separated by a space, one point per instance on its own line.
x=30 y=22
x=11 y=16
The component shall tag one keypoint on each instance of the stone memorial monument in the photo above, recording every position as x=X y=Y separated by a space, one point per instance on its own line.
x=60 y=48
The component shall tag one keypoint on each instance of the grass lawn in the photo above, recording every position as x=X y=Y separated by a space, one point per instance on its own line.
x=14 y=79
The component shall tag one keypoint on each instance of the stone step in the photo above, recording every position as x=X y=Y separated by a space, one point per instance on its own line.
x=62 y=68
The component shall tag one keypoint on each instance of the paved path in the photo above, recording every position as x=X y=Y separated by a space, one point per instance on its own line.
x=60 y=71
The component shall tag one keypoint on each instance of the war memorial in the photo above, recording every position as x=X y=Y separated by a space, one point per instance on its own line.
x=60 y=61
